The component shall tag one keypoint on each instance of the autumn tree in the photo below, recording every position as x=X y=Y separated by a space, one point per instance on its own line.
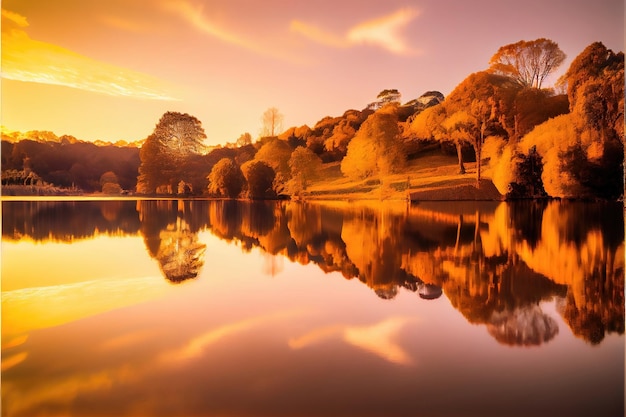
x=276 y=153
x=343 y=132
x=460 y=127
x=110 y=183
x=595 y=88
x=272 y=122
x=182 y=134
x=226 y=179
x=176 y=139
x=243 y=140
x=305 y=166
x=376 y=149
x=583 y=151
x=389 y=96
x=260 y=179
x=528 y=62
x=469 y=127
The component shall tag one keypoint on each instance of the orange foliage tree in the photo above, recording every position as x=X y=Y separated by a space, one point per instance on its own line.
x=528 y=62
x=376 y=150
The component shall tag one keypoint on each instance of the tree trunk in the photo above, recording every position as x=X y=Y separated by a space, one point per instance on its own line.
x=478 y=153
x=459 y=154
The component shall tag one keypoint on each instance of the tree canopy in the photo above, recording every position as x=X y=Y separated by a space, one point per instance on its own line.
x=376 y=150
x=305 y=166
x=528 y=62
x=167 y=153
x=226 y=179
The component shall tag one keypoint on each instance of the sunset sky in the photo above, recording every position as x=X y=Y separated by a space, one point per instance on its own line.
x=109 y=69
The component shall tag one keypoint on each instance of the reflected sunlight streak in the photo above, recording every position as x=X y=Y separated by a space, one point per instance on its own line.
x=9 y=362
x=28 y=309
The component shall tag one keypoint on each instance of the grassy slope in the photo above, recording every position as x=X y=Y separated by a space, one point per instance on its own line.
x=432 y=176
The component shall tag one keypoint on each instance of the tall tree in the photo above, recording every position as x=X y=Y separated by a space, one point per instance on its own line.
x=469 y=127
x=528 y=62
x=272 y=122
x=176 y=139
x=180 y=133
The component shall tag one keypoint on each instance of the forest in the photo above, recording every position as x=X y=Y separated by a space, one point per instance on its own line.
x=527 y=140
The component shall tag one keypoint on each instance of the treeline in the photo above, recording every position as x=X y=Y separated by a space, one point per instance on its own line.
x=67 y=163
x=530 y=141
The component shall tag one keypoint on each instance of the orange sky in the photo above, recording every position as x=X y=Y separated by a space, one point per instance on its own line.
x=109 y=70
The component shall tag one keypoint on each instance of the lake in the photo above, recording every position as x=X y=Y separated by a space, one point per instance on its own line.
x=226 y=308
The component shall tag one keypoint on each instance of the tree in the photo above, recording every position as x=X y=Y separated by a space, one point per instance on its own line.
x=343 y=132
x=389 y=96
x=226 y=179
x=244 y=139
x=376 y=149
x=109 y=183
x=272 y=122
x=276 y=153
x=260 y=179
x=528 y=62
x=461 y=127
x=165 y=154
x=305 y=166
x=595 y=90
x=385 y=97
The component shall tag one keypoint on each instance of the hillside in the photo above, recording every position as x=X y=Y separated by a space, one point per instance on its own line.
x=431 y=176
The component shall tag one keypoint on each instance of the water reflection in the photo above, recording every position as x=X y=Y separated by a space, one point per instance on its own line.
x=495 y=262
x=170 y=231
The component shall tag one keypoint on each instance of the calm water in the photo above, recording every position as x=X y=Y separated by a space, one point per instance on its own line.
x=220 y=308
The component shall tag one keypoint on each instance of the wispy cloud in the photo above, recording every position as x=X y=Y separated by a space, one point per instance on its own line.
x=16 y=18
x=384 y=32
x=196 y=17
x=319 y=35
x=126 y=24
x=29 y=60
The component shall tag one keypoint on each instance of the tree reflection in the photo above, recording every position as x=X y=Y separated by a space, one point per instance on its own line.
x=67 y=221
x=170 y=231
x=495 y=262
